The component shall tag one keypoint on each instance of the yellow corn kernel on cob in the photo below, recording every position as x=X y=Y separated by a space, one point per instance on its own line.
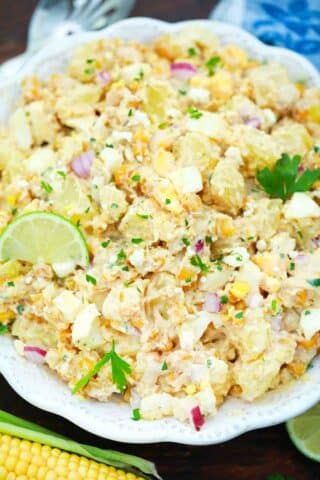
x=24 y=460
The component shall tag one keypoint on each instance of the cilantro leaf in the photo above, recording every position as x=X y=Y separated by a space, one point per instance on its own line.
x=212 y=65
x=119 y=369
x=315 y=282
x=196 y=261
x=3 y=328
x=283 y=180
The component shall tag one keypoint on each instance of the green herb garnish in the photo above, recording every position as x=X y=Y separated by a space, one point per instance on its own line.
x=3 y=328
x=315 y=282
x=105 y=244
x=212 y=65
x=136 y=178
x=164 y=366
x=143 y=216
x=14 y=211
x=119 y=369
x=283 y=180
x=224 y=299
x=192 y=52
x=196 y=261
x=136 y=241
x=61 y=173
x=20 y=308
x=121 y=256
x=239 y=315
x=167 y=201
x=316 y=149
x=194 y=113
x=10 y=283
x=130 y=112
x=186 y=242
x=136 y=415
x=46 y=186
x=91 y=279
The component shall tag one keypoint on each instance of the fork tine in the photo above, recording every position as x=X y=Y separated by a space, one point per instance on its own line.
x=97 y=19
x=83 y=10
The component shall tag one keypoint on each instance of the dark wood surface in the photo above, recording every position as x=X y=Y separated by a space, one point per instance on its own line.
x=250 y=457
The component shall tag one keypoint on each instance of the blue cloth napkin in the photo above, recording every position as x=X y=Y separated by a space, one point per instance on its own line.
x=293 y=24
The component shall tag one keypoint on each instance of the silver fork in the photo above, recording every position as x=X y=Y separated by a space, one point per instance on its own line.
x=56 y=19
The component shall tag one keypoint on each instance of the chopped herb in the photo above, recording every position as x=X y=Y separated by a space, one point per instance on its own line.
x=186 y=242
x=283 y=180
x=292 y=266
x=46 y=186
x=109 y=145
x=164 y=366
x=78 y=223
x=11 y=283
x=315 y=282
x=14 y=211
x=144 y=216
x=20 y=308
x=127 y=284
x=196 y=261
x=125 y=269
x=88 y=71
x=212 y=65
x=209 y=362
x=224 y=299
x=208 y=240
x=139 y=290
x=140 y=76
x=91 y=279
x=188 y=280
x=3 y=329
x=27 y=114
x=307 y=312
x=136 y=178
x=274 y=305
x=239 y=315
x=183 y=92
x=119 y=369
x=92 y=140
x=186 y=222
x=130 y=113
x=282 y=255
x=194 y=113
x=167 y=201
x=121 y=256
x=316 y=149
x=90 y=60
x=163 y=125
x=300 y=233
x=250 y=238
x=136 y=241
x=114 y=205
x=61 y=173
x=105 y=244
x=219 y=267
x=136 y=415
x=239 y=258
x=87 y=210
x=192 y=52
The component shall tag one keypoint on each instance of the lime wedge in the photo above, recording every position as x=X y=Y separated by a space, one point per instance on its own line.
x=42 y=237
x=304 y=431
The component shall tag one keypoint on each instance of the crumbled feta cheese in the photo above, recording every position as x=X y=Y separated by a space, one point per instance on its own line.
x=86 y=331
x=237 y=257
x=301 y=206
x=199 y=95
x=310 y=322
x=187 y=180
x=63 y=269
x=137 y=257
x=68 y=304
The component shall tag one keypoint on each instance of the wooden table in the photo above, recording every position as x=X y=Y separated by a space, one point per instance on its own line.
x=249 y=457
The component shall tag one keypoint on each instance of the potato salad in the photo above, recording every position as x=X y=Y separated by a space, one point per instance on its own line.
x=160 y=225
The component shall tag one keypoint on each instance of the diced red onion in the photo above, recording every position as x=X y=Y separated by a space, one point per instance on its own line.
x=197 y=418
x=34 y=354
x=103 y=77
x=254 y=122
x=182 y=70
x=212 y=303
x=81 y=165
x=199 y=246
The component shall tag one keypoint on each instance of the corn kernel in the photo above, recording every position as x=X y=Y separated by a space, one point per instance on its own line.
x=314 y=113
x=190 y=389
x=240 y=289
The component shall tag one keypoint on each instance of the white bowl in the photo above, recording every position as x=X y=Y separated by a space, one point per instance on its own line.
x=112 y=420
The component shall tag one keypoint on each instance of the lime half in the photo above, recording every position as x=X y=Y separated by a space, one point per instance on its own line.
x=42 y=237
x=304 y=431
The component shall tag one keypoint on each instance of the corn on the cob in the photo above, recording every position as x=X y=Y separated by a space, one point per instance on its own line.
x=25 y=460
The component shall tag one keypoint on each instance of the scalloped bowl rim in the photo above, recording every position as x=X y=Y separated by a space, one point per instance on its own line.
x=43 y=389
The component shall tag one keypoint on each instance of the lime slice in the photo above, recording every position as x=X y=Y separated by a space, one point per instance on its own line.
x=42 y=237
x=304 y=431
